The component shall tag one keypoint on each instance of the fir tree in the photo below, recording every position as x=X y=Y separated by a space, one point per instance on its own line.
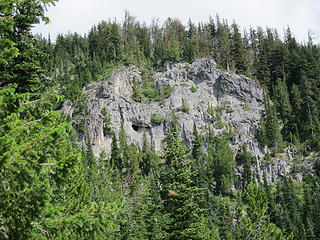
x=182 y=198
x=221 y=163
x=238 y=52
x=115 y=157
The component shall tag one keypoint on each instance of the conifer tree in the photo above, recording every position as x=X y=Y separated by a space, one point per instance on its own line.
x=191 y=47
x=238 y=52
x=270 y=127
x=147 y=160
x=221 y=164
x=256 y=224
x=115 y=157
x=182 y=198
x=245 y=158
x=19 y=58
x=282 y=103
x=198 y=158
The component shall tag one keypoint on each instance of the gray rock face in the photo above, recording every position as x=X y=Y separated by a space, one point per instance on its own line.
x=237 y=99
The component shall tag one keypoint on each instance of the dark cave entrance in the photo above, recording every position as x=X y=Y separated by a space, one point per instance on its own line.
x=136 y=127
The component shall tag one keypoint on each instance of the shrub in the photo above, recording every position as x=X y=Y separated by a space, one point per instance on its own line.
x=193 y=89
x=167 y=91
x=156 y=119
x=229 y=110
x=246 y=105
x=185 y=106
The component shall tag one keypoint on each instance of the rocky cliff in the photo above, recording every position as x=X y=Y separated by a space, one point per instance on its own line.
x=201 y=93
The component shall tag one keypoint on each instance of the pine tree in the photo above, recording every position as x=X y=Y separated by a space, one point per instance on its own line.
x=222 y=44
x=19 y=58
x=271 y=127
x=282 y=103
x=198 y=158
x=157 y=221
x=182 y=198
x=191 y=47
x=173 y=50
x=146 y=162
x=123 y=147
x=289 y=208
x=238 y=52
x=256 y=224
x=115 y=157
x=222 y=164
x=247 y=160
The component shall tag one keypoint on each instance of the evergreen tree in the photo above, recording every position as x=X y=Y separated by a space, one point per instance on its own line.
x=115 y=157
x=270 y=128
x=148 y=161
x=238 y=52
x=222 y=164
x=222 y=44
x=173 y=50
x=191 y=47
x=256 y=224
x=289 y=210
x=247 y=160
x=282 y=103
x=182 y=198
x=198 y=158
x=20 y=59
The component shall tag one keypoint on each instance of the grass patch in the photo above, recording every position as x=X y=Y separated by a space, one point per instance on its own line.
x=156 y=119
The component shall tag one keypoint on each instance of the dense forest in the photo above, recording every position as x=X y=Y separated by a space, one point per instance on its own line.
x=52 y=188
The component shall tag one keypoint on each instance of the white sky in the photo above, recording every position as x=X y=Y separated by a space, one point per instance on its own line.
x=80 y=15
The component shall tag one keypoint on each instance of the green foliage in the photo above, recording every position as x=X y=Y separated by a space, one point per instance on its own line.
x=146 y=89
x=156 y=119
x=115 y=157
x=229 y=109
x=47 y=185
x=210 y=110
x=269 y=133
x=282 y=103
x=182 y=198
x=36 y=154
x=167 y=91
x=193 y=89
x=106 y=121
x=238 y=53
x=19 y=58
x=149 y=159
x=184 y=106
x=256 y=224
x=52 y=190
x=221 y=164
x=245 y=158
x=246 y=106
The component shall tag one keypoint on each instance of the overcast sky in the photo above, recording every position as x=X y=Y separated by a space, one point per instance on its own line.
x=80 y=15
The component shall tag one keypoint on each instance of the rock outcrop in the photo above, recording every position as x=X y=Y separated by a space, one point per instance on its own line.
x=220 y=100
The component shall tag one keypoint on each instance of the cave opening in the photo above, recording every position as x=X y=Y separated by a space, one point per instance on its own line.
x=135 y=127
